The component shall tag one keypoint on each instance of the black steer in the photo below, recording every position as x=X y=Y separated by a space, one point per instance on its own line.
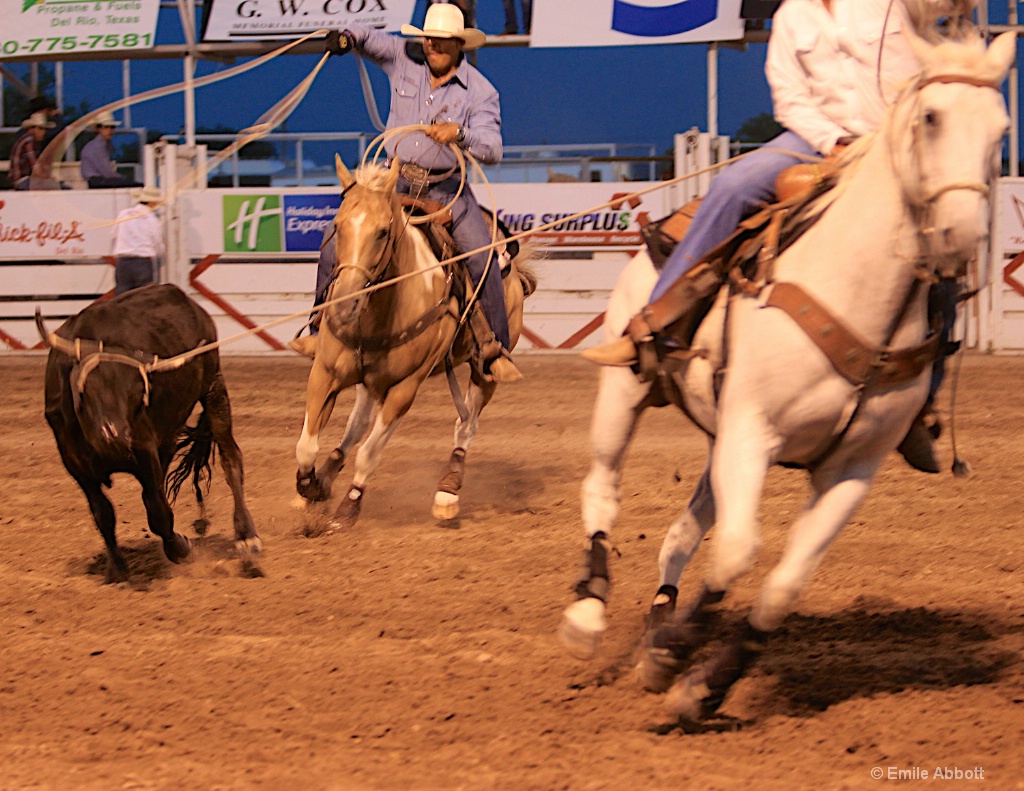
x=112 y=410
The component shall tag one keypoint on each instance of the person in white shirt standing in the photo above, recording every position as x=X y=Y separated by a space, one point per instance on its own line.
x=138 y=243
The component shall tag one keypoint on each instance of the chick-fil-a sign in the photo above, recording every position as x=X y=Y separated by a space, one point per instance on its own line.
x=44 y=224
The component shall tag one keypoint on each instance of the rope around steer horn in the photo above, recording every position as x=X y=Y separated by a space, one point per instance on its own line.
x=90 y=358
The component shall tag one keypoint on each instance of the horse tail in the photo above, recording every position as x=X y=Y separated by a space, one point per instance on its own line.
x=524 y=261
x=194 y=453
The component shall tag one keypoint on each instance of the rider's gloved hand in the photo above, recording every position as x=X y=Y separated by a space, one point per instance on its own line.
x=337 y=43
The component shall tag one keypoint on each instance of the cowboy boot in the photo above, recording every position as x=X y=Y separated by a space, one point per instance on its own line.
x=918 y=447
x=683 y=296
x=306 y=345
x=492 y=360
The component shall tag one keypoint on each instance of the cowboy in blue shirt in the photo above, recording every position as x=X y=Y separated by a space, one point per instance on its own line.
x=433 y=84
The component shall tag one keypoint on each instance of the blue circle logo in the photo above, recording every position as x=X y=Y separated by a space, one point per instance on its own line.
x=666 y=20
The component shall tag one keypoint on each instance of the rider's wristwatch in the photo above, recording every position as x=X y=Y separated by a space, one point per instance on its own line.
x=460 y=136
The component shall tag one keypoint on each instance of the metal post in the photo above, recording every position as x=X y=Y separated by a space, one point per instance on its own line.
x=58 y=85
x=187 y=12
x=1014 y=102
x=713 y=89
x=126 y=90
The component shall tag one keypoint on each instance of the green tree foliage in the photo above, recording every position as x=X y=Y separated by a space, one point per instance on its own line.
x=759 y=129
x=258 y=149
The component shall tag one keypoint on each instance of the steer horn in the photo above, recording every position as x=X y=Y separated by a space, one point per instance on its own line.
x=41 y=327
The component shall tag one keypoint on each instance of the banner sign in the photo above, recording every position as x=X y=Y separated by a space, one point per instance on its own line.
x=38 y=27
x=237 y=20
x=523 y=207
x=1010 y=215
x=276 y=223
x=242 y=221
x=58 y=223
x=599 y=23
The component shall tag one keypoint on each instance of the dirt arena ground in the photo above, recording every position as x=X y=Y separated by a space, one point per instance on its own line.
x=406 y=655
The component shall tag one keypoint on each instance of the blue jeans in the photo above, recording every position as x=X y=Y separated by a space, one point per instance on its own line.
x=470 y=231
x=133 y=272
x=737 y=192
x=325 y=267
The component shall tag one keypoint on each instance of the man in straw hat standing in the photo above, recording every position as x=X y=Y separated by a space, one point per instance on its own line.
x=433 y=84
x=98 y=168
x=138 y=242
x=27 y=148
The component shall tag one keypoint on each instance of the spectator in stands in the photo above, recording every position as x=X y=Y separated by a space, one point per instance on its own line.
x=98 y=166
x=46 y=105
x=27 y=148
x=138 y=243
x=511 y=26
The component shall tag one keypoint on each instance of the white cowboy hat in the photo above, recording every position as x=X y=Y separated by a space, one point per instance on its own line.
x=106 y=118
x=38 y=119
x=149 y=195
x=444 y=20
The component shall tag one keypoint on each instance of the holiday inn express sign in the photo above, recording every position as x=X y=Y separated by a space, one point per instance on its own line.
x=41 y=27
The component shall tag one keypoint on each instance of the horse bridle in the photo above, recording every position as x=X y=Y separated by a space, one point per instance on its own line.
x=386 y=256
x=983 y=188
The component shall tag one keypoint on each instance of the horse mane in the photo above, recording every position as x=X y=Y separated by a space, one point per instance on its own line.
x=372 y=176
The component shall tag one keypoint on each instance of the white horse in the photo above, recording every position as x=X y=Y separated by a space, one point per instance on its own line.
x=911 y=202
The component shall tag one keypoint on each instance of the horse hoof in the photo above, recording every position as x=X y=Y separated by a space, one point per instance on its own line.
x=178 y=548
x=115 y=574
x=446 y=506
x=663 y=608
x=688 y=700
x=248 y=546
x=657 y=669
x=583 y=623
x=312 y=488
x=349 y=510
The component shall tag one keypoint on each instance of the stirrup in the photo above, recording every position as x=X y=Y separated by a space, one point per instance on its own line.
x=306 y=345
x=502 y=370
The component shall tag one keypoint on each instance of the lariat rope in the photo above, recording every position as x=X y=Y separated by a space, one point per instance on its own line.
x=274 y=117
x=175 y=362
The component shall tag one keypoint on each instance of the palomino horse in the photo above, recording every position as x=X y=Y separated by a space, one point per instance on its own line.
x=387 y=341
x=911 y=203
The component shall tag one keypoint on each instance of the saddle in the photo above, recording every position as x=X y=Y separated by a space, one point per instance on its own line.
x=746 y=259
x=439 y=229
x=438 y=234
